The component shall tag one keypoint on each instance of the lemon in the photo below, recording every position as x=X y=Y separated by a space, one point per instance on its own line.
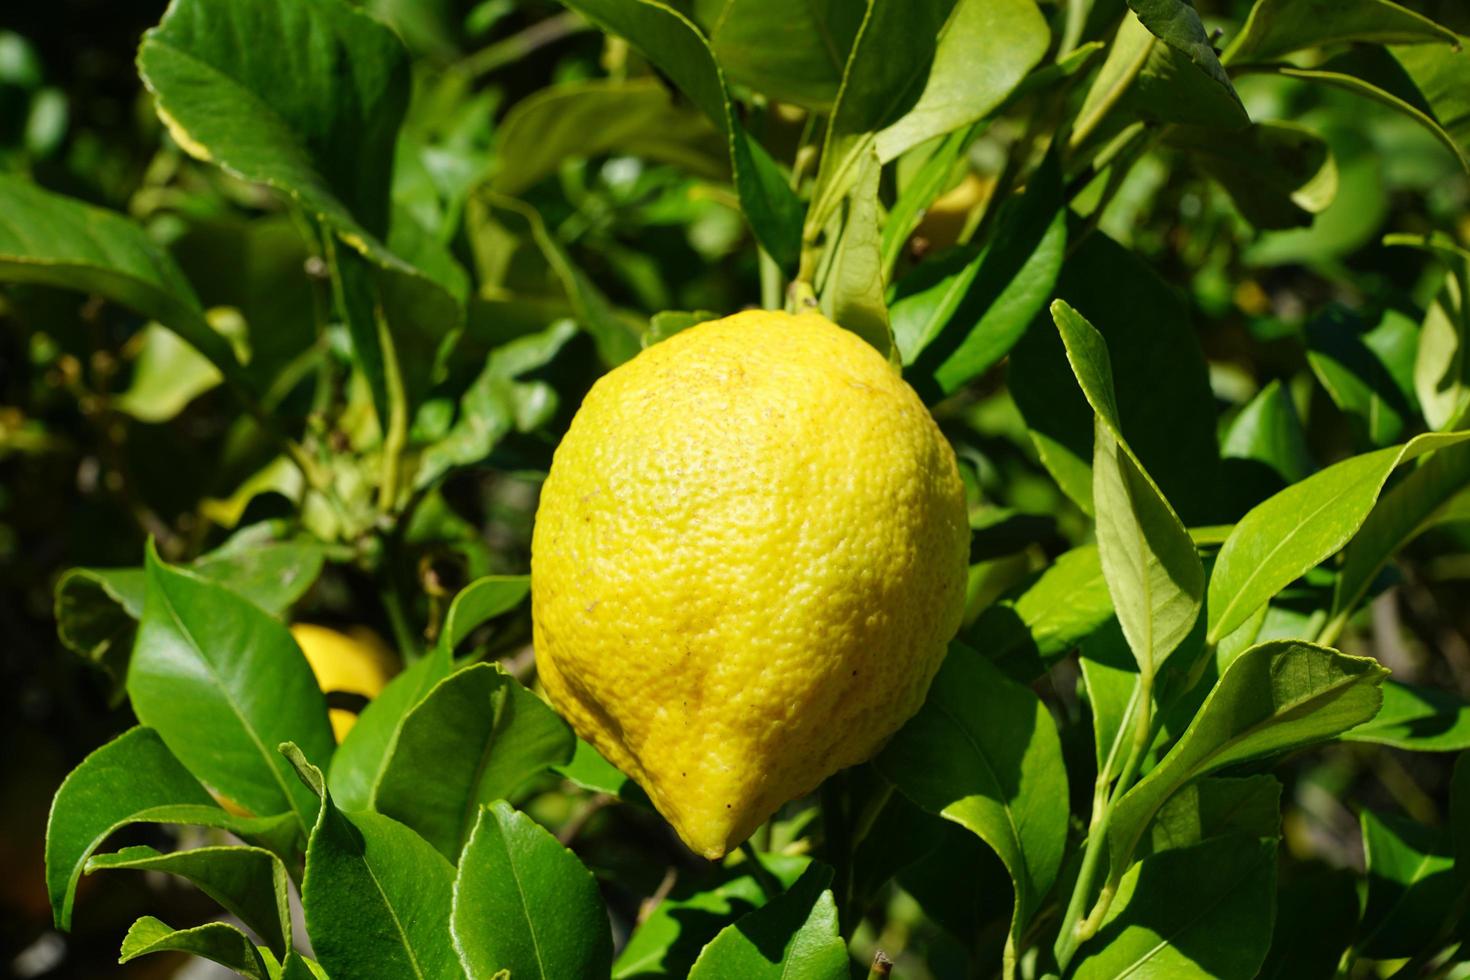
x=945 y=219
x=748 y=559
x=356 y=663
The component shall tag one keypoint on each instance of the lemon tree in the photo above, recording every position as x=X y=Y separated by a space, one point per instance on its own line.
x=914 y=488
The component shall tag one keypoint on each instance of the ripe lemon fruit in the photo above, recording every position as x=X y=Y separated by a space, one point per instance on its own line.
x=945 y=219
x=355 y=663
x=748 y=559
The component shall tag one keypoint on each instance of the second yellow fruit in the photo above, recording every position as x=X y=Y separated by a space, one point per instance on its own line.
x=748 y=560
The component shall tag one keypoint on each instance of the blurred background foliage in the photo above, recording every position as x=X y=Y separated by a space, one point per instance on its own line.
x=111 y=430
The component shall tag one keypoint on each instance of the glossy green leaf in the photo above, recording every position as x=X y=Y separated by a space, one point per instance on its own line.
x=479 y=602
x=1408 y=509
x=1025 y=633
x=1149 y=561
x=1369 y=373
x=497 y=403
x=1111 y=676
x=482 y=735
x=249 y=882
x=1268 y=431
x=1213 y=807
x=1373 y=74
x=223 y=683
x=1279 y=27
x=853 y=294
x=359 y=761
x=589 y=770
x=524 y=903
x=1411 y=885
x=1419 y=719
x=125 y=778
x=217 y=941
x=1442 y=367
x=1279 y=174
x=167 y=375
x=376 y=895
x=1178 y=25
x=1274 y=697
x=1164 y=399
x=984 y=51
x=1173 y=87
x=599 y=116
x=1316 y=917
x=664 y=324
x=794 y=936
x=616 y=341
x=791 y=52
x=963 y=324
x=311 y=107
x=1440 y=73
x=1289 y=534
x=667 y=942
x=97 y=609
x=673 y=43
x=1202 y=911
x=55 y=241
x=882 y=80
x=983 y=752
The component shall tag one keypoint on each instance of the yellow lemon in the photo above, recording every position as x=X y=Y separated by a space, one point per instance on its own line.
x=748 y=559
x=355 y=663
x=943 y=220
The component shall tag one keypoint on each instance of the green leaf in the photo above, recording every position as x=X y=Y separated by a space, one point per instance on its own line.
x=1419 y=719
x=1373 y=74
x=1460 y=816
x=598 y=116
x=359 y=761
x=794 y=936
x=882 y=80
x=376 y=895
x=589 y=770
x=1368 y=374
x=1289 y=534
x=1279 y=174
x=129 y=776
x=97 y=608
x=55 y=241
x=616 y=342
x=1172 y=87
x=954 y=330
x=223 y=683
x=310 y=107
x=1279 y=27
x=1442 y=367
x=496 y=403
x=1201 y=911
x=669 y=939
x=1268 y=431
x=1316 y=916
x=1440 y=74
x=983 y=752
x=983 y=52
x=1162 y=383
x=852 y=295
x=663 y=325
x=1150 y=563
x=167 y=375
x=1213 y=807
x=1111 y=677
x=249 y=882
x=482 y=735
x=791 y=52
x=479 y=602
x=524 y=903
x=673 y=43
x=1274 y=697
x=217 y=941
x=1024 y=634
x=1411 y=885
x=1177 y=24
